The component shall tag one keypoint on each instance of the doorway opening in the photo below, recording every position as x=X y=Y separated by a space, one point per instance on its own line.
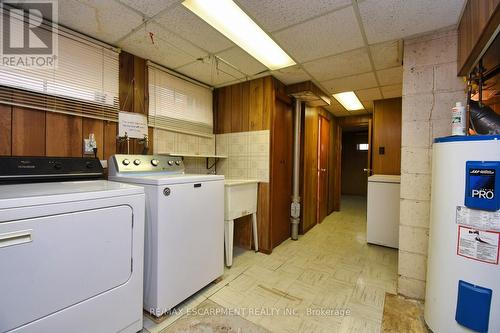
x=354 y=161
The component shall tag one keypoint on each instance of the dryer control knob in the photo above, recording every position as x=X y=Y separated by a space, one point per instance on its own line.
x=126 y=162
x=137 y=162
x=170 y=163
x=155 y=162
x=177 y=162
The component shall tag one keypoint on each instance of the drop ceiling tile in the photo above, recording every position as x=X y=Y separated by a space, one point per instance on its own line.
x=326 y=35
x=349 y=83
x=242 y=60
x=390 y=76
x=337 y=109
x=207 y=72
x=107 y=21
x=186 y=24
x=150 y=7
x=385 y=20
x=388 y=54
x=168 y=49
x=345 y=64
x=272 y=15
x=392 y=91
x=368 y=94
x=291 y=75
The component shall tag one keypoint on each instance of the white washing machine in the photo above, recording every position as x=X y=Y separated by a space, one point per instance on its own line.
x=71 y=252
x=184 y=243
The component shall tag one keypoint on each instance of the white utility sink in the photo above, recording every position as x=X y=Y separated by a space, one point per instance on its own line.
x=240 y=199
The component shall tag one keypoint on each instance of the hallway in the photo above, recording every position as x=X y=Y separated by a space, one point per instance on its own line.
x=328 y=281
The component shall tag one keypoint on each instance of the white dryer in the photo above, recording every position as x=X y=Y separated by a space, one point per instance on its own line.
x=184 y=243
x=71 y=252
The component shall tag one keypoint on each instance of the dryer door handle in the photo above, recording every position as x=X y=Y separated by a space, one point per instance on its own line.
x=15 y=238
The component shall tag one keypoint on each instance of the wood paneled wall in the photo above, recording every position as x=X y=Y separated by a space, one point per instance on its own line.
x=241 y=108
x=386 y=133
x=479 y=21
x=29 y=132
x=335 y=170
x=252 y=106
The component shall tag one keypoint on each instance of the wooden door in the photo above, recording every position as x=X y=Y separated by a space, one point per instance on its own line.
x=323 y=150
x=281 y=193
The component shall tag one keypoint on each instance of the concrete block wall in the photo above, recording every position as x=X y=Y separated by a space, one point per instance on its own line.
x=430 y=90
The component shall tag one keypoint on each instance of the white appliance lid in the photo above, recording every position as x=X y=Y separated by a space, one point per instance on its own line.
x=235 y=182
x=21 y=195
x=385 y=178
x=163 y=179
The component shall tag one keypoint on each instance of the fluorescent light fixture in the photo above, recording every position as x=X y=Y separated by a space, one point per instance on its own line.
x=232 y=22
x=349 y=100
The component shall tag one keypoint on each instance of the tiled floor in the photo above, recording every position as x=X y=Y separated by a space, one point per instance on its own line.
x=329 y=280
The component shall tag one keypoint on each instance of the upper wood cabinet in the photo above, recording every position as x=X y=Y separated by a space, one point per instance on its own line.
x=476 y=29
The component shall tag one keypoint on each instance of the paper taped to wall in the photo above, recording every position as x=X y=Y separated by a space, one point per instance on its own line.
x=134 y=125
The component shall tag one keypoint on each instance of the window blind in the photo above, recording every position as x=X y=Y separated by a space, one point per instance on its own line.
x=84 y=82
x=178 y=105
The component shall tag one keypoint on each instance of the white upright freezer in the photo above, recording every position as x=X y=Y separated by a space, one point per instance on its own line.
x=383 y=210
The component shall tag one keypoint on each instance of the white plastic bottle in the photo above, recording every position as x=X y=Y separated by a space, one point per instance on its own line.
x=458 y=119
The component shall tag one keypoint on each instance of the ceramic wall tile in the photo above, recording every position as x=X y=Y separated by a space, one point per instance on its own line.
x=171 y=142
x=251 y=147
x=238 y=144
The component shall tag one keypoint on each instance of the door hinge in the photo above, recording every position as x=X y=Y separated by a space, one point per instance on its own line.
x=131 y=264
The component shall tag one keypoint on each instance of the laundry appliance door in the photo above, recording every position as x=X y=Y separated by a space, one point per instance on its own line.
x=50 y=263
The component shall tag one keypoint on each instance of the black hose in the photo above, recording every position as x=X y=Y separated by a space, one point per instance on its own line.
x=483 y=119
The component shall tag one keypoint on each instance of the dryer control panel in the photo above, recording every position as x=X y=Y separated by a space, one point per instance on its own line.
x=145 y=163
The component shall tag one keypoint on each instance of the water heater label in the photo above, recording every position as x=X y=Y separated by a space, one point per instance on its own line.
x=482 y=185
x=480 y=219
x=478 y=244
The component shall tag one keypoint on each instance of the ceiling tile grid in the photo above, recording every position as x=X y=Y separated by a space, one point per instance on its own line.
x=395 y=19
x=186 y=24
x=345 y=64
x=152 y=41
x=242 y=60
x=340 y=45
x=103 y=20
x=273 y=15
x=349 y=83
x=326 y=35
x=150 y=8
